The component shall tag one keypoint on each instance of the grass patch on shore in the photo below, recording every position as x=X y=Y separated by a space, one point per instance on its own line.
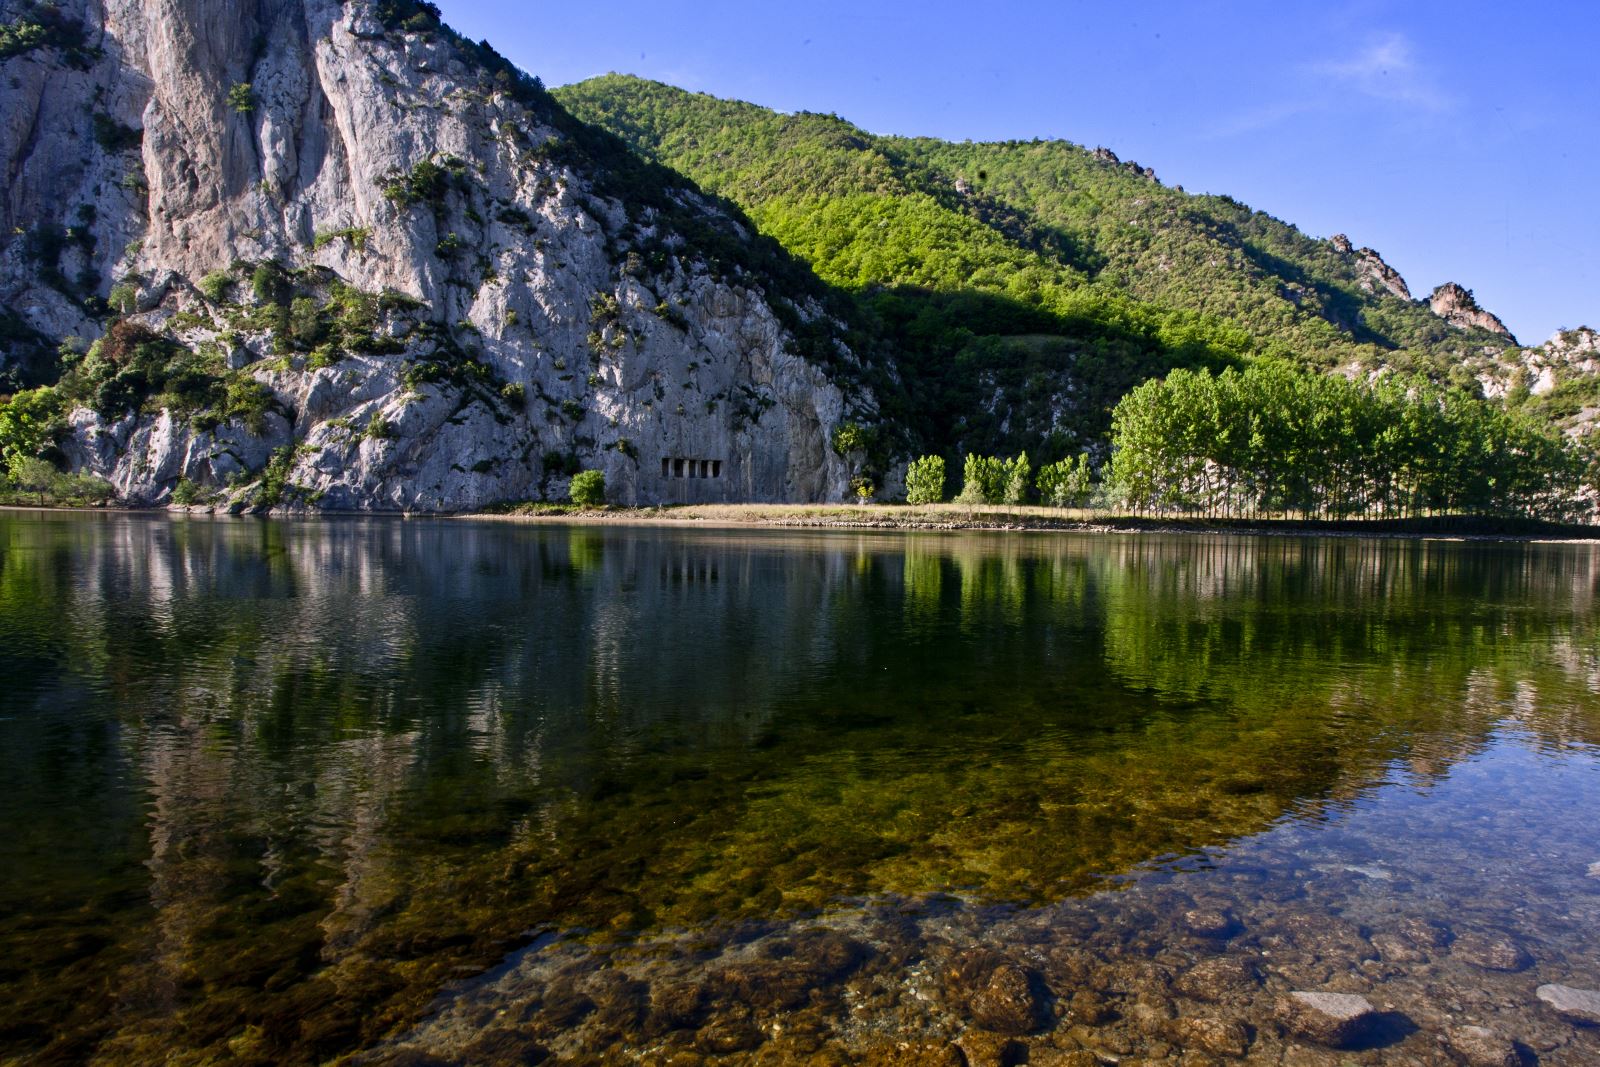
x=1032 y=517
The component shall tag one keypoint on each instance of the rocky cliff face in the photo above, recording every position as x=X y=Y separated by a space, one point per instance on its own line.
x=1452 y=303
x=360 y=263
x=1375 y=275
x=1458 y=307
x=1571 y=358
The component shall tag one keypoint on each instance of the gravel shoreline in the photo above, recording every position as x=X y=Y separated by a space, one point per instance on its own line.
x=946 y=518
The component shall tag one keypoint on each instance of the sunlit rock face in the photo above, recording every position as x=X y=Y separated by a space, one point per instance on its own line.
x=1374 y=273
x=1459 y=307
x=581 y=319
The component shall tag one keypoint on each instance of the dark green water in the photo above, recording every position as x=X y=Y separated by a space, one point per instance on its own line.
x=270 y=787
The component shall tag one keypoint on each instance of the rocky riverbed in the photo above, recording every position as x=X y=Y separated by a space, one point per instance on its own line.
x=1382 y=936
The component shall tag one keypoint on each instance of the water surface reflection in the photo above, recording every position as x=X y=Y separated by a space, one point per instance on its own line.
x=273 y=785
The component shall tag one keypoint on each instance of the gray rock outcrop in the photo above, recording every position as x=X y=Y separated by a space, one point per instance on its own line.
x=1372 y=273
x=1569 y=356
x=1103 y=154
x=1459 y=307
x=559 y=319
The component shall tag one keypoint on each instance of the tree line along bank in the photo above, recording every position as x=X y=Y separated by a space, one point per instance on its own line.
x=1273 y=439
x=1267 y=440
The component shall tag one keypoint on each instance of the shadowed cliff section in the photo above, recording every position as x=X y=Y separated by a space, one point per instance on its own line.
x=1061 y=230
x=991 y=209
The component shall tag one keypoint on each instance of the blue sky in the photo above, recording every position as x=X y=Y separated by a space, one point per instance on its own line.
x=1461 y=140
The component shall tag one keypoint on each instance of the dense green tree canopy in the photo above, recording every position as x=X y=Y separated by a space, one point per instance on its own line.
x=1022 y=288
x=1276 y=439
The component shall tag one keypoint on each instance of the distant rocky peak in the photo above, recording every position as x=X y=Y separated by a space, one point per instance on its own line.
x=1459 y=308
x=1103 y=154
x=1372 y=273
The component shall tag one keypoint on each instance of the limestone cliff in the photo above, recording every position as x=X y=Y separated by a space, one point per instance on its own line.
x=1373 y=273
x=1569 y=362
x=1459 y=307
x=1450 y=302
x=357 y=262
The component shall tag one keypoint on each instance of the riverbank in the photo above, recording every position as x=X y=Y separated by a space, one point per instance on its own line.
x=928 y=517
x=1024 y=518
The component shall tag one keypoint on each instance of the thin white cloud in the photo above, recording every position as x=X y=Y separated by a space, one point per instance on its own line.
x=1385 y=71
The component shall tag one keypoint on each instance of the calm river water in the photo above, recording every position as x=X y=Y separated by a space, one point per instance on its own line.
x=430 y=792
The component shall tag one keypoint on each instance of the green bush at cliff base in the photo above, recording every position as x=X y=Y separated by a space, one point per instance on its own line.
x=37 y=481
x=995 y=480
x=925 y=480
x=588 y=489
x=29 y=424
x=1067 y=482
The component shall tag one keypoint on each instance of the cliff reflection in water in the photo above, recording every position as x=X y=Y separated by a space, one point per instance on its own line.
x=272 y=784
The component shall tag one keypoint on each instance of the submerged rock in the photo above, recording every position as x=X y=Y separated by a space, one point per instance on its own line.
x=1326 y=937
x=1394 y=948
x=1054 y=1057
x=1574 y=1005
x=1333 y=1019
x=1219 y=978
x=1089 y=1008
x=563 y=1010
x=675 y=1006
x=921 y=1053
x=1425 y=933
x=729 y=1035
x=1478 y=1046
x=1491 y=953
x=1220 y=1037
x=1007 y=1004
x=1151 y=1013
x=981 y=1049
x=1209 y=922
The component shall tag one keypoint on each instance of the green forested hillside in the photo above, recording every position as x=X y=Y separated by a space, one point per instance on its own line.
x=1026 y=286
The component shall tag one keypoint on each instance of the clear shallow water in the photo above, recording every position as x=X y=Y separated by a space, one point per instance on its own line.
x=280 y=792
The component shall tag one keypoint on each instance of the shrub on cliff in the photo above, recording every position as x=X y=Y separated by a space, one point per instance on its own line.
x=242 y=98
x=216 y=286
x=44 y=25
